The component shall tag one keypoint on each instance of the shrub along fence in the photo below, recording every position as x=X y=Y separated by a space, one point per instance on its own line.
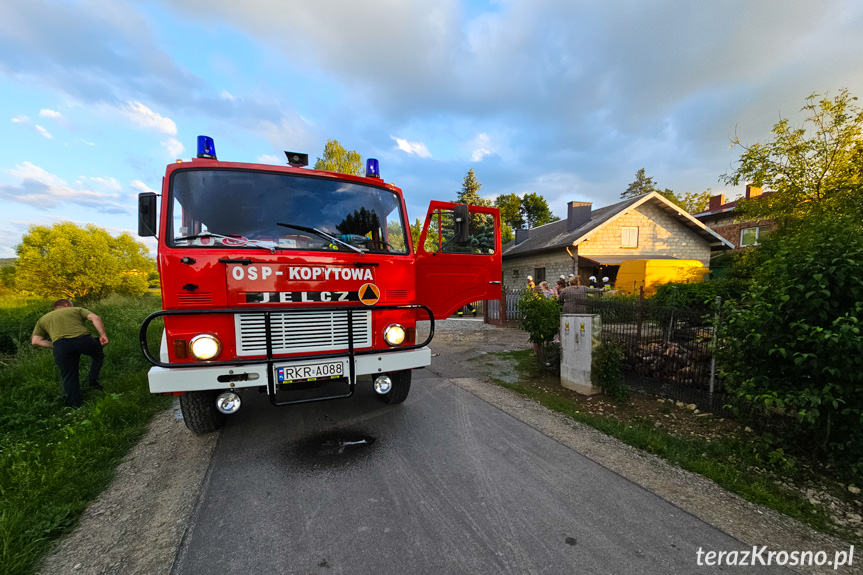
x=667 y=351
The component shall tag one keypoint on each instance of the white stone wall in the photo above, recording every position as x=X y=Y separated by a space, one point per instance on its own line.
x=659 y=234
x=516 y=270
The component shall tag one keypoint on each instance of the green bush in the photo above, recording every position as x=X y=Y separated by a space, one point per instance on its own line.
x=606 y=371
x=698 y=296
x=795 y=345
x=540 y=318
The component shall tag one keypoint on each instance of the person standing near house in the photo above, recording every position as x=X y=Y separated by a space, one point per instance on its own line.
x=530 y=284
x=573 y=297
x=64 y=331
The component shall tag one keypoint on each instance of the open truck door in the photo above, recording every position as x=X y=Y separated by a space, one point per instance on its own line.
x=458 y=258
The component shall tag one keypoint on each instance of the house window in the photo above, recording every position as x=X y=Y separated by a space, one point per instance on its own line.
x=749 y=236
x=538 y=275
x=515 y=274
x=629 y=237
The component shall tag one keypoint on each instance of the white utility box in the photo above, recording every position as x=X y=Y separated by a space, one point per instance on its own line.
x=579 y=336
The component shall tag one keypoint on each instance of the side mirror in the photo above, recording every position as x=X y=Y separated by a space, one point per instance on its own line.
x=461 y=214
x=146 y=214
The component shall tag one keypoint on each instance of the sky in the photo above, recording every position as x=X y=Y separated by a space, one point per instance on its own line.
x=564 y=98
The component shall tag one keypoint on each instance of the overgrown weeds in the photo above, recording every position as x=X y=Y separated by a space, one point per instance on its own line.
x=55 y=460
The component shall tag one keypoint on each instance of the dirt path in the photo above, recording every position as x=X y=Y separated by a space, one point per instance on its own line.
x=135 y=527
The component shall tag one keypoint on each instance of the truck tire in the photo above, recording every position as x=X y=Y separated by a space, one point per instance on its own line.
x=200 y=413
x=401 y=387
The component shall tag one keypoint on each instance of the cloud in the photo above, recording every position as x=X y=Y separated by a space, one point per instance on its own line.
x=45 y=113
x=174 y=146
x=45 y=191
x=141 y=187
x=144 y=117
x=414 y=148
x=43 y=131
x=481 y=147
x=20 y=120
x=270 y=159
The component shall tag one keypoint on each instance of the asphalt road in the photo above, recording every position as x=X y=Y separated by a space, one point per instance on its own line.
x=444 y=483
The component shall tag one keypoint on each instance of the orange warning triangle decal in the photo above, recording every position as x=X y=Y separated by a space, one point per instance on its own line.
x=369 y=294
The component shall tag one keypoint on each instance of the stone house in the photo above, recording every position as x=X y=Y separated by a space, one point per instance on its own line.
x=594 y=242
x=724 y=219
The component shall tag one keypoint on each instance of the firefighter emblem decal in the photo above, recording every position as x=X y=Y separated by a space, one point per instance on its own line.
x=369 y=294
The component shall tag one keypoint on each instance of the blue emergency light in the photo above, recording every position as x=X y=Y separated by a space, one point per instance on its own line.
x=373 y=168
x=206 y=148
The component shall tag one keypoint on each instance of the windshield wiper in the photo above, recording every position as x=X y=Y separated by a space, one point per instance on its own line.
x=254 y=243
x=321 y=234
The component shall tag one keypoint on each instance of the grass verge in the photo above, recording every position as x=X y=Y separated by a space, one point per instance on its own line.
x=55 y=460
x=717 y=449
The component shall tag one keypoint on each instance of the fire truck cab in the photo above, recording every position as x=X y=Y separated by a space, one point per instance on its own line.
x=298 y=283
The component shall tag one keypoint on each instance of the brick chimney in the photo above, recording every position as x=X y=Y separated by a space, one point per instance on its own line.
x=521 y=234
x=716 y=201
x=752 y=191
x=577 y=213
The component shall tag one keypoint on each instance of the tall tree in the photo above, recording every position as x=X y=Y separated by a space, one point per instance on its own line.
x=510 y=210
x=643 y=184
x=70 y=261
x=338 y=159
x=469 y=193
x=816 y=167
x=535 y=210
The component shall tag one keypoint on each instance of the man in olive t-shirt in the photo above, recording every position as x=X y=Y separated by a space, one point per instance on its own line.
x=64 y=331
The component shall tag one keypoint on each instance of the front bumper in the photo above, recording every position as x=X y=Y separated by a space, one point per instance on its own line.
x=165 y=380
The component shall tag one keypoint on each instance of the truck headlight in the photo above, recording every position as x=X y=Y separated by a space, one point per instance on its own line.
x=205 y=346
x=394 y=334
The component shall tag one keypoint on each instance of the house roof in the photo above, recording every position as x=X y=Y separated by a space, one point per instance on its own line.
x=723 y=210
x=555 y=235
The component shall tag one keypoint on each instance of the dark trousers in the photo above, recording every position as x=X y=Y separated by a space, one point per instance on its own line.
x=67 y=353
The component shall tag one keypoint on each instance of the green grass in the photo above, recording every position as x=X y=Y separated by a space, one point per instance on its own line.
x=55 y=460
x=730 y=461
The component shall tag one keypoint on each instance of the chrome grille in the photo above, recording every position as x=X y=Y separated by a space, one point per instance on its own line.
x=296 y=332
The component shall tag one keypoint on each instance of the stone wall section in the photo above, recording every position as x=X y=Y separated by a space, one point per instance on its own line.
x=659 y=235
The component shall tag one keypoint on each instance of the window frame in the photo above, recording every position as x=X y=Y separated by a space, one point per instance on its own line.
x=624 y=232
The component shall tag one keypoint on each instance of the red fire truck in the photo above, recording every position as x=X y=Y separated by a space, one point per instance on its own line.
x=301 y=283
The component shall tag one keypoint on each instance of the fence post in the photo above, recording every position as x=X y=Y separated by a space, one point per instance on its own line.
x=713 y=341
x=639 y=316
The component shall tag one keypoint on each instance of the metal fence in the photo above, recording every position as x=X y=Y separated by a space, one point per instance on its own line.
x=509 y=309
x=667 y=352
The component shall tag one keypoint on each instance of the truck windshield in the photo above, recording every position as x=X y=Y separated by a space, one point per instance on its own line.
x=250 y=209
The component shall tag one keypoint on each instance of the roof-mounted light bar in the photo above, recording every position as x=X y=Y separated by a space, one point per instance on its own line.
x=206 y=148
x=373 y=168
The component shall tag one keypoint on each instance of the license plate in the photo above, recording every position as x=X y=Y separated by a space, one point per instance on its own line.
x=300 y=372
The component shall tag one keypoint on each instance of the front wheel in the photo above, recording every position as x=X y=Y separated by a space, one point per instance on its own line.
x=200 y=413
x=401 y=387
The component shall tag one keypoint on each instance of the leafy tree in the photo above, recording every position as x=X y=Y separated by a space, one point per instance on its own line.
x=535 y=210
x=506 y=233
x=338 y=159
x=694 y=202
x=510 y=210
x=416 y=230
x=65 y=260
x=795 y=343
x=643 y=184
x=816 y=167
